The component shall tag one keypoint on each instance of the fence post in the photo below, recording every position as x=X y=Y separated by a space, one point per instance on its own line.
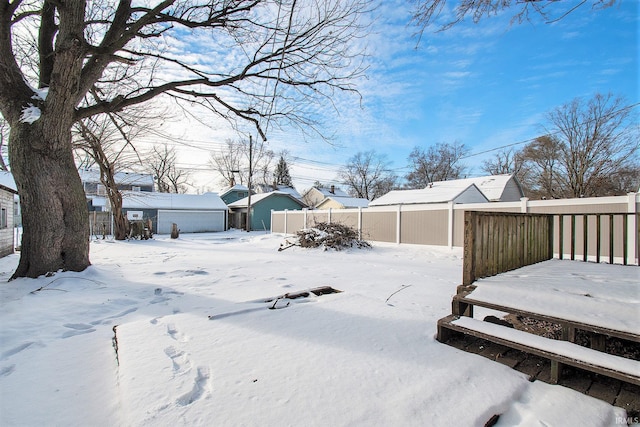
x=360 y=223
x=398 y=225
x=468 y=260
x=632 y=231
x=329 y=216
x=450 y=224
x=524 y=204
x=304 y=217
x=285 y=220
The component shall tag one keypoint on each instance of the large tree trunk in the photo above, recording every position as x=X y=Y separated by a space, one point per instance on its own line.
x=54 y=208
x=55 y=217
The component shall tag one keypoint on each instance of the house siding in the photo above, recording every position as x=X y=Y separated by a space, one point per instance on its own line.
x=471 y=195
x=511 y=193
x=261 y=211
x=6 y=223
x=234 y=196
x=330 y=204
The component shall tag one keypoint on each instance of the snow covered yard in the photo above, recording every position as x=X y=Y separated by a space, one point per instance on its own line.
x=198 y=344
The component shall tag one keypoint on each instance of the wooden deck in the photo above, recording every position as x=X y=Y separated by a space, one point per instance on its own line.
x=578 y=299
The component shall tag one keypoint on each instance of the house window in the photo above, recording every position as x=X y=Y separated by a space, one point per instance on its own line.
x=3 y=218
x=102 y=191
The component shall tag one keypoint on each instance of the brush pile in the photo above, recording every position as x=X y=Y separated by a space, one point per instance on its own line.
x=327 y=236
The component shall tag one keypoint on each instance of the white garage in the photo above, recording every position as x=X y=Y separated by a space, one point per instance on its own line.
x=193 y=213
x=191 y=221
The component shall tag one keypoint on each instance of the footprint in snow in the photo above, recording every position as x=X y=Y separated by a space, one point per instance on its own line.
x=178 y=359
x=18 y=349
x=77 y=329
x=200 y=387
x=107 y=320
x=175 y=334
x=7 y=370
x=73 y=333
x=77 y=326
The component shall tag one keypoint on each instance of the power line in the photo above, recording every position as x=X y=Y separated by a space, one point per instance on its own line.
x=526 y=141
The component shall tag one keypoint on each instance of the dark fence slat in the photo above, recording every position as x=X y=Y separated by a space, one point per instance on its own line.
x=598 y=237
x=561 y=236
x=611 y=233
x=585 y=239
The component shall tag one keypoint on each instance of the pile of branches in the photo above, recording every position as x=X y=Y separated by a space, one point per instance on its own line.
x=327 y=235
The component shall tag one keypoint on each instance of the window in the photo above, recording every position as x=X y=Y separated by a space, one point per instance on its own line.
x=3 y=218
x=135 y=188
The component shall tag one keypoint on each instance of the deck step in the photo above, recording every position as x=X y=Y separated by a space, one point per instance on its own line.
x=585 y=325
x=557 y=351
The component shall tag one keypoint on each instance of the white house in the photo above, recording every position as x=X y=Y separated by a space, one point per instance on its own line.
x=8 y=192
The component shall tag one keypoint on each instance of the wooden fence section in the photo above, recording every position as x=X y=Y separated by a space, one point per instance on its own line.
x=100 y=224
x=498 y=242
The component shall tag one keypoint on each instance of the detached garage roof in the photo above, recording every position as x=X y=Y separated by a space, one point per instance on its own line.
x=497 y=188
x=438 y=192
x=147 y=200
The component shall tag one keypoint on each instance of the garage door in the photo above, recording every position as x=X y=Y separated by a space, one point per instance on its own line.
x=191 y=221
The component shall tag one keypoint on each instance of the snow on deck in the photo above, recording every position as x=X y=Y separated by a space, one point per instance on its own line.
x=563 y=348
x=596 y=294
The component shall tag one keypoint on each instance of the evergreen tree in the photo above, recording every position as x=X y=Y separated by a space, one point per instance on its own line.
x=281 y=175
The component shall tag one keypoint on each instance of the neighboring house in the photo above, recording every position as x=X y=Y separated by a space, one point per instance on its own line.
x=126 y=181
x=261 y=207
x=234 y=193
x=8 y=192
x=437 y=192
x=263 y=188
x=193 y=213
x=314 y=196
x=337 y=202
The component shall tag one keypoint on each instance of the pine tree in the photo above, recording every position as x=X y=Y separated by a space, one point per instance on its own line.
x=282 y=176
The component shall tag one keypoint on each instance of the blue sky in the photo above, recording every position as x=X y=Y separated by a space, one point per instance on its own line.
x=485 y=85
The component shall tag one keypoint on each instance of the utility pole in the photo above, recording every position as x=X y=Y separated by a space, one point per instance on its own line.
x=248 y=225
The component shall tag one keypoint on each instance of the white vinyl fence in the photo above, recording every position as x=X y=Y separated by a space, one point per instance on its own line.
x=443 y=224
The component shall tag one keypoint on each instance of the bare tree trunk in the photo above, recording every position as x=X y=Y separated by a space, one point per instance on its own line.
x=119 y=220
x=54 y=208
